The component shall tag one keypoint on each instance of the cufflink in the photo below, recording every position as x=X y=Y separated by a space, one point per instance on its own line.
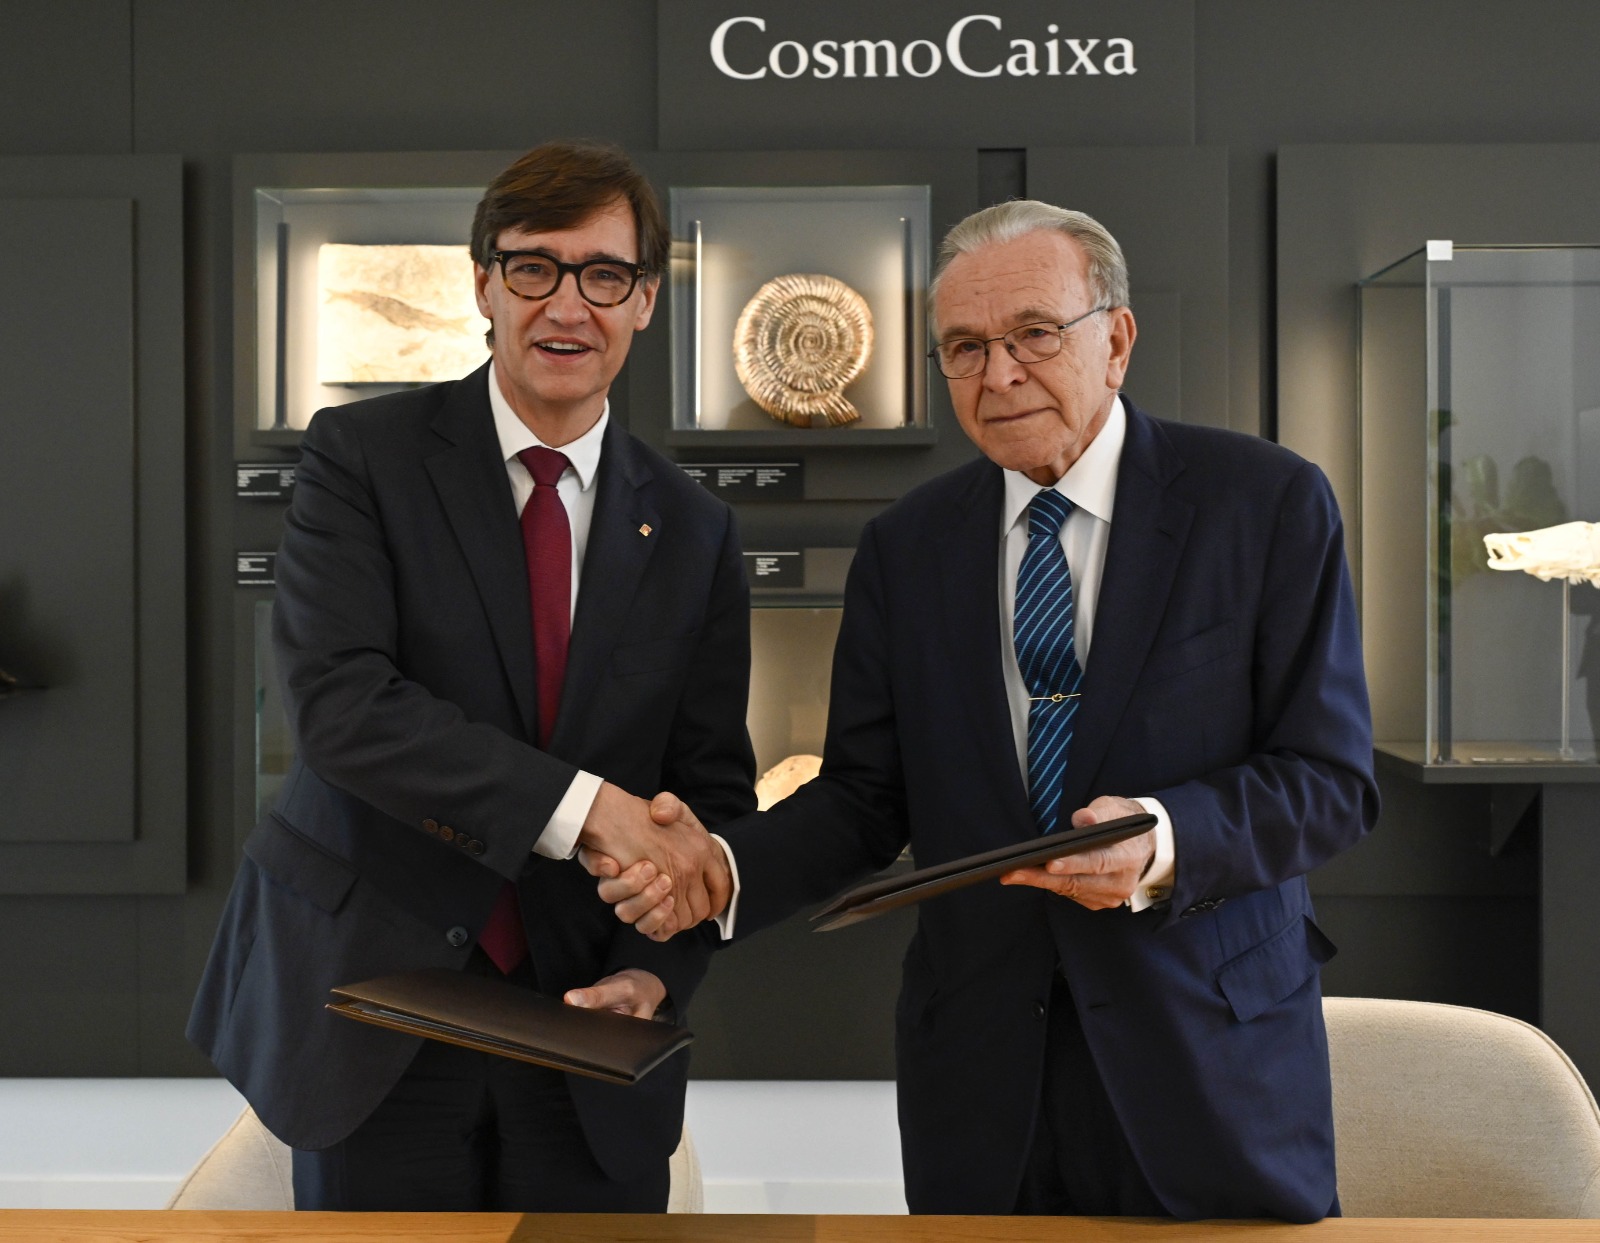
x=1158 y=893
x=645 y=529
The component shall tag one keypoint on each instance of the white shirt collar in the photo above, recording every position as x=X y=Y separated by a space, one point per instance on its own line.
x=515 y=435
x=1090 y=483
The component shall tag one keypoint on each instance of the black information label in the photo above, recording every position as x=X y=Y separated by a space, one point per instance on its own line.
x=775 y=569
x=266 y=480
x=255 y=569
x=751 y=481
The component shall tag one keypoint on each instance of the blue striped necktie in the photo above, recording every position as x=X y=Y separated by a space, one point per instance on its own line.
x=1046 y=654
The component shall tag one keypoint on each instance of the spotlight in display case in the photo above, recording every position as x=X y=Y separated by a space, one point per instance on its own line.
x=799 y=312
x=1480 y=451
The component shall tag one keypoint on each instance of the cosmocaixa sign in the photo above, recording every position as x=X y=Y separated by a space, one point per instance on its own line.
x=748 y=74
x=921 y=58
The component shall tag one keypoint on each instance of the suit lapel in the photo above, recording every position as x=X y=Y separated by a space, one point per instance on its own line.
x=970 y=560
x=614 y=562
x=1149 y=527
x=470 y=478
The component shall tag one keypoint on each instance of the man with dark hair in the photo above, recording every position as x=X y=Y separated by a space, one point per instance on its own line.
x=1105 y=614
x=499 y=619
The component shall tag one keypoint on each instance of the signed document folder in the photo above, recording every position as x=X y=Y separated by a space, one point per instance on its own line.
x=893 y=892
x=496 y=1016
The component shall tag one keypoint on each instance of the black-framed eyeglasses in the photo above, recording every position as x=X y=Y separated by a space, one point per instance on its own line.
x=961 y=358
x=533 y=274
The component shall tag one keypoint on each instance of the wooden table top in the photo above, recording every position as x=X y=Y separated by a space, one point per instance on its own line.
x=118 y=1226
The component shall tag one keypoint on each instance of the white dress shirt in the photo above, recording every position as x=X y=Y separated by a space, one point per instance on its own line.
x=559 y=840
x=1091 y=485
x=576 y=490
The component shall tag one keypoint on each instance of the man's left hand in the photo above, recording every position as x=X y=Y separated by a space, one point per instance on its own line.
x=1098 y=879
x=629 y=991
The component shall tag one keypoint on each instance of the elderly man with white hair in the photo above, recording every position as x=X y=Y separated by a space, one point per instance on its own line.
x=1104 y=614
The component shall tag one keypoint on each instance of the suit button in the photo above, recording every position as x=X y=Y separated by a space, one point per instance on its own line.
x=475 y=847
x=432 y=826
x=1038 y=1010
x=462 y=840
x=446 y=833
x=458 y=936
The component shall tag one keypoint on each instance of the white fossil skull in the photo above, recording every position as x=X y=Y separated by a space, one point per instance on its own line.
x=1570 y=551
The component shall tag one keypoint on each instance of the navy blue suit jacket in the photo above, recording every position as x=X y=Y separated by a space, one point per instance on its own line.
x=404 y=640
x=1225 y=679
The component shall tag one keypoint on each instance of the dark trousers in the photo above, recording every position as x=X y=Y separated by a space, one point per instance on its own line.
x=464 y=1131
x=1079 y=1163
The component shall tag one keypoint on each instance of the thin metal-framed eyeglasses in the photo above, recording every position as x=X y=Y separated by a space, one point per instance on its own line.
x=534 y=275
x=961 y=358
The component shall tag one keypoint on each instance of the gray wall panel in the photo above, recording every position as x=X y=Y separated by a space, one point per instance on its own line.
x=1435 y=842
x=211 y=81
x=72 y=1000
x=391 y=75
x=794 y=1003
x=1344 y=212
x=1000 y=103
x=1461 y=951
x=106 y=471
x=1371 y=71
x=67 y=551
x=66 y=71
x=1168 y=207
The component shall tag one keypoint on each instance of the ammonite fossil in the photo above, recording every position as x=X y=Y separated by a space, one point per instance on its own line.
x=798 y=343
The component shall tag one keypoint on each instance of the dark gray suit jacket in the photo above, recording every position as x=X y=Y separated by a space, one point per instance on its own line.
x=404 y=640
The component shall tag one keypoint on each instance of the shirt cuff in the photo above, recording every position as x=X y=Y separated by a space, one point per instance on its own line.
x=725 y=920
x=560 y=837
x=1156 y=884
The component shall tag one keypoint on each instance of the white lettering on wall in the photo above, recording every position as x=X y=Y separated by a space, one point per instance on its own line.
x=1024 y=62
x=869 y=57
x=952 y=45
x=802 y=58
x=922 y=58
x=1080 y=49
x=908 y=62
x=1120 y=61
x=719 y=44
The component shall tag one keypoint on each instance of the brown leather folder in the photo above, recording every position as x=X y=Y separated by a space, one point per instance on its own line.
x=893 y=892
x=496 y=1016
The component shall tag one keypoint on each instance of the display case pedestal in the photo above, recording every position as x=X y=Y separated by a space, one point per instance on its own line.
x=1561 y=802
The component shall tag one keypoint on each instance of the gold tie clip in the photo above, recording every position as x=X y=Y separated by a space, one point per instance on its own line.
x=1055 y=699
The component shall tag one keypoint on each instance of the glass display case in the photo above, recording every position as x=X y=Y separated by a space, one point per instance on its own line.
x=1479 y=477
x=799 y=313
x=273 y=748
x=359 y=291
x=791 y=662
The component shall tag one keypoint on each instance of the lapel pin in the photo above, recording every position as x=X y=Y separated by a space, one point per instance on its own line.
x=645 y=529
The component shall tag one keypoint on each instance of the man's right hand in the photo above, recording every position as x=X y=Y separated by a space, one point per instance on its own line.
x=675 y=875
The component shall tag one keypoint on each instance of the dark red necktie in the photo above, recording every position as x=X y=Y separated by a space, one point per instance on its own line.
x=547 y=543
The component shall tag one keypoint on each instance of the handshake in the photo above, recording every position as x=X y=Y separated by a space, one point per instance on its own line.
x=655 y=861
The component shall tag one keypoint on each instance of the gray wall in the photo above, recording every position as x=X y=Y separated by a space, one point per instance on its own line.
x=1421 y=910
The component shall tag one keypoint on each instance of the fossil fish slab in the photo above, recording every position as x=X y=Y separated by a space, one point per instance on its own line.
x=396 y=314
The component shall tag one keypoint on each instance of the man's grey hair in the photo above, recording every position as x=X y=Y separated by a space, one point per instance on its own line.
x=1005 y=222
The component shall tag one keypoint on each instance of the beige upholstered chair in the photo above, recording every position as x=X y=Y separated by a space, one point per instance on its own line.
x=1443 y=1111
x=248 y=1168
